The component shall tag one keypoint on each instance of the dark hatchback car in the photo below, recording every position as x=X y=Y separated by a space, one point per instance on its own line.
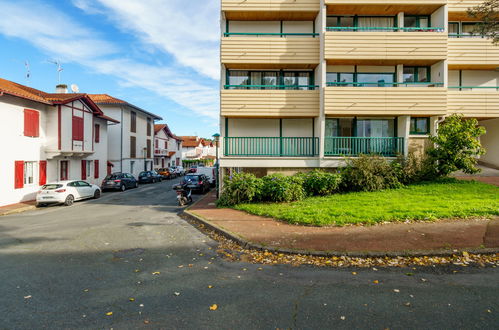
x=197 y=182
x=149 y=177
x=119 y=181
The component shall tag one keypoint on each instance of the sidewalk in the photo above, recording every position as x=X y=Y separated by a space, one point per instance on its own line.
x=397 y=238
x=17 y=208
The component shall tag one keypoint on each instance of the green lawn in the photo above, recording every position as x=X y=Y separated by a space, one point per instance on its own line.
x=426 y=201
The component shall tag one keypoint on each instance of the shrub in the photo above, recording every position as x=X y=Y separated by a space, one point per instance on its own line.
x=369 y=173
x=240 y=188
x=320 y=183
x=413 y=168
x=457 y=145
x=280 y=188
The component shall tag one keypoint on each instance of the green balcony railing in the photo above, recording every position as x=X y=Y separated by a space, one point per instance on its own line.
x=384 y=29
x=267 y=34
x=288 y=87
x=271 y=146
x=385 y=84
x=354 y=146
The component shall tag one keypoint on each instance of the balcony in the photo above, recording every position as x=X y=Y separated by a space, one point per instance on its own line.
x=269 y=103
x=353 y=45
x=271 y=146
x=479 y=102
x=387 y=101
x=467 y=52
x=270 y=9
x=160 y=152
x=264 y=50
x=355 y=146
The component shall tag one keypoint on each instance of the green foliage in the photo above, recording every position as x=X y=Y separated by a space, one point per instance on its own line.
x=240 y=188
x=369 y=173
x=488 y=14
x=321 y=183
x=444 y=198
x=457 y=146
x=413 y=168
x=280 y=188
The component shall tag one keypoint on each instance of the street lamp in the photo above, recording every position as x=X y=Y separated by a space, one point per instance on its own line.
x=144 y=150
x=216 y=136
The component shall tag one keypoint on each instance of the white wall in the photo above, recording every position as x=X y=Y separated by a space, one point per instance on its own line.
x=439 y=18
x=242 y=127
x=491 y=142
x=297 y=127
x=439 y=73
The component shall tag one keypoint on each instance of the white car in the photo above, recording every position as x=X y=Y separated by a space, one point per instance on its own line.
x=179 y=170
x=66 y=192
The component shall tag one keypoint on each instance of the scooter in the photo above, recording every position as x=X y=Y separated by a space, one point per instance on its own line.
x=184 y=196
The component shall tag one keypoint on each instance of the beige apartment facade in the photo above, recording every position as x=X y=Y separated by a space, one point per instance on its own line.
x=307 y=83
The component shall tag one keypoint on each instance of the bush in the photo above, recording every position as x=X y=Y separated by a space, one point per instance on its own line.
x=457 y=145
x=369 y=173
x=280 y=188
x=320 y=183
x=240 y=188
x=413 y=168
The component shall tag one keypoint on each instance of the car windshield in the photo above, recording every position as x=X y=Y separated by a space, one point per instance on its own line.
x=112 y=177
x=192 y=178
x=51 y=186
x=143 y=173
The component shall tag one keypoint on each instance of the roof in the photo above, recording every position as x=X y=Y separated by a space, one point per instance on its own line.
x=171 y=153
x=105 y=99
x=159 y=127
x=32 y=94
x=190 y=141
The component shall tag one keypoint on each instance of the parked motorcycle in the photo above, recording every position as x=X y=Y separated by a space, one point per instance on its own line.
x=184 y=195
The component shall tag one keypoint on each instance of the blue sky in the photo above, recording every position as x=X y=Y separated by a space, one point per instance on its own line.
x=161 y=55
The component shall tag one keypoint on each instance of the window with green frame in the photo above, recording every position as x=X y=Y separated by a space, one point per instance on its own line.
x=366 y=79
x=417 y=74
x=417 y=21
x=244 y=79
x=374 y=22
x=420 y=126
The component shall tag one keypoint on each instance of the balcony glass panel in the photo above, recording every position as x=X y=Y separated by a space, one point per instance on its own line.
x=295 y=80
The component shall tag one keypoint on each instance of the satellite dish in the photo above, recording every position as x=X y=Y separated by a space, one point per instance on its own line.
x=75 y=88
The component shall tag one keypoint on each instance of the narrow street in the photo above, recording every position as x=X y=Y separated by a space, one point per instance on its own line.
x=130 y=254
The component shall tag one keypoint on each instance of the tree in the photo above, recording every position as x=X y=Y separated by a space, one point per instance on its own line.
x=457 y=145
x=488 y=13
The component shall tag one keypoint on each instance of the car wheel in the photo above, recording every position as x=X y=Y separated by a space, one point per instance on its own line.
x=97 y=194
x=122 y=187
x=136 y=184
x=69 y=200
x=41 y=205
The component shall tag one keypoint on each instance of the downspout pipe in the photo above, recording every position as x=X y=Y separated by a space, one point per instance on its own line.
x=121 y=142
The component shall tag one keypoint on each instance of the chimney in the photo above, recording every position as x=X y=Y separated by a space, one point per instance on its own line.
x=61 y=89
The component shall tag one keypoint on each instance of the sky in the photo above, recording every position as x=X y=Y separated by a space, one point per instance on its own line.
x=160 y=55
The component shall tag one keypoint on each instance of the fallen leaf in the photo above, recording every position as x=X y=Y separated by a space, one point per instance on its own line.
x=177 y=293
x=342 y=318
x=213 y=307
x=190 y=265
x=146 y=322
x=396 y=290
x=85 y=290
x=375 y=281
x=181 y=266
x=354 y=273
x=137 y=270
x=210 y=286
x=27 y=297
x=109 y=313
x=156 y=273
x=131 y=299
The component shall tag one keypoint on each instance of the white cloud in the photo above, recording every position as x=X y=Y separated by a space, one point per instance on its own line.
x=189 y=30
x=61 y=37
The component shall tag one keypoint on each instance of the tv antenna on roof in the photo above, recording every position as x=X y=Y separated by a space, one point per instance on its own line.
x=59 y=69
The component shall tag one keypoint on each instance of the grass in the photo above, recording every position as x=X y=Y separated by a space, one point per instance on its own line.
x=425 y=201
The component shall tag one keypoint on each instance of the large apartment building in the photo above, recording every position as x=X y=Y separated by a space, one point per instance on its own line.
x=306 y=83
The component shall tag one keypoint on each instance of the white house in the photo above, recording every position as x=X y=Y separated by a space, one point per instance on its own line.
x=130 y=141
x=196 y=148
x=167 y=147
x=47 y=137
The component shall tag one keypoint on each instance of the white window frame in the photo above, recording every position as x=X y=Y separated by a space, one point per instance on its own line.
x=29 y=166
x=89 y=168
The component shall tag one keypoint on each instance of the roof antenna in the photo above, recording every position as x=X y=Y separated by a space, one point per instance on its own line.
x=59 y=69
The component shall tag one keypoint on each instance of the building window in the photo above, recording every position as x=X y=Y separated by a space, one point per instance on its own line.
x=166 y=144
x=361 y=79
x=363 y=23
x=416 y=21
x=31 y=123
x=156 y=143
x=149 y=127
x=29 y=170
x=148 y=148
x=97 y=133
x=242 y=79
x=132 y=165
x=420 y=126
x=64 y=175
x=133 y=122
x=417 y=74
x=89 y=168
x=133 y=147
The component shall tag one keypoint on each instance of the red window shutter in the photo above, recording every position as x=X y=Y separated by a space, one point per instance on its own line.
x=31 y=123
x=166 y=144
x=96 y=168
x=156 y=144
x=19 y=174
x=83 y=169
x=97 y=133
x=43 y=172
x=77 y=128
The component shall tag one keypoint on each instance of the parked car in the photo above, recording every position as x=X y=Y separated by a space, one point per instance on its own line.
x=149 y=177
x=211 y=173
x=179 y=170
x=193 y=169
x=119 y=181
x=165 y=173
x=173 y=173
x=66 y=192
x=196 y=182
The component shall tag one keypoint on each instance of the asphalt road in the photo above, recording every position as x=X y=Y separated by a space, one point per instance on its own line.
x=130 y=254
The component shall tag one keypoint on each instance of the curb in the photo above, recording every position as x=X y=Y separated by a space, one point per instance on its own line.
x=188 y=215
x=18 y=210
